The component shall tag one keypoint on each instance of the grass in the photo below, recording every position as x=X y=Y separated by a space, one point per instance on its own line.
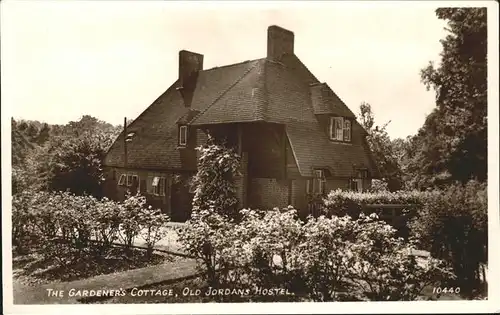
x=35 y=268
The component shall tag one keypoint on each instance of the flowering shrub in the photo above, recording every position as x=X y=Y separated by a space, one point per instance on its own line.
x=210 y=228
x=384 y=267
x=130 y=225
x=67 y=227
x=152 y=227
x=324 y=259
x=214 y=180
x=108 y=216
x=324 y=256
x=379 y=186
x=453 y=226
x=204 y=237
x=270 y=239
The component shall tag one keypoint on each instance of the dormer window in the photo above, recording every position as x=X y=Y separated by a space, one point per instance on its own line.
x=340 y=129
x=183 y=135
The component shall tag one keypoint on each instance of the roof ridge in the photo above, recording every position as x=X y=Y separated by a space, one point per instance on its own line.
x=233 y=64
x=224 y=92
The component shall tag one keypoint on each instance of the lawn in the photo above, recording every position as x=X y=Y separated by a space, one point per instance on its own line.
x=36 y=269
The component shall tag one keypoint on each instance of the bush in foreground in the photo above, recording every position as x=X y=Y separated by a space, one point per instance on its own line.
x=325 y=259
x=68 y=228
x=453 y=225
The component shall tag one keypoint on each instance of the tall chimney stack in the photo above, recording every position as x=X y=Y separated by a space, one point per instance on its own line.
x=279 y=42
x=189 y=63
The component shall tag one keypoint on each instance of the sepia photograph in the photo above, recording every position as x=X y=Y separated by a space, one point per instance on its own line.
x=229 y=157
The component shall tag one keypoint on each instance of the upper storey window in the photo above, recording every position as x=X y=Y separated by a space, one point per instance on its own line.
x=340 y=129
x=183 y=135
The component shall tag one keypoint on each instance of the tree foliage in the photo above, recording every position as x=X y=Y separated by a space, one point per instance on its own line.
x=381 y=148
x=451 y=145
x=214 y=180
x=453 y=225
x=61 y=158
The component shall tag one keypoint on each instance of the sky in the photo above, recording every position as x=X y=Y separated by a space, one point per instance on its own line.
x=62 y=60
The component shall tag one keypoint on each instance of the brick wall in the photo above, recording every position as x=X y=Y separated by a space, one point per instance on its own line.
x=267 y=193
x=241 y=182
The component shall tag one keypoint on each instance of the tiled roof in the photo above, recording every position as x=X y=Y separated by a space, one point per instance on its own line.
x=326 y=101
x=154 y=145
x=313 y=149
x=257 y=90
x=243 y=100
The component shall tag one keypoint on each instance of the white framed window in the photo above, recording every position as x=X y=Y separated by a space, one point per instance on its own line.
x=347 y=130
x=319 y=182
x=158 y=186
x=129 y=179
x=183 y=135
x=337 y=128
x=154 y=185
x=362 y=173
x=122 y=179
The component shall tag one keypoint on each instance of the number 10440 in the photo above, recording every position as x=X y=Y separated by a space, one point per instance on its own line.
x=440 y=290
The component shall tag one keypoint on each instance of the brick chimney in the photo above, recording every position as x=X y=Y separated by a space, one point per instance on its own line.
x=190 y=64
x=279 y=42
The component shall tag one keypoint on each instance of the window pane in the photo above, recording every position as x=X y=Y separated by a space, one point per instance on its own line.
x=183 y=135
x=149 y=185
x=121 y=181
x=129 y=179
x=317 y=173
x=161 y=186
x=155 y=181
x=347 y=130
x=339 y=128
x=332 y=128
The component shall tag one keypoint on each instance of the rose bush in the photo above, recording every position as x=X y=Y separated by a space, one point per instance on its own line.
x=66 y=227
x=324 y=259
x=152 y=227
x=204 y=237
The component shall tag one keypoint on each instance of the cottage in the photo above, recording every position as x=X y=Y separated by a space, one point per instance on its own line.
x=296 y=137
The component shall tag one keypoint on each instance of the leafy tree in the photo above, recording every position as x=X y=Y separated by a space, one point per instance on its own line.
x=22 y=125
x=452 y=143
x=31 y=132
x=71 y=157
x=43 y=134
x=382 y=149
